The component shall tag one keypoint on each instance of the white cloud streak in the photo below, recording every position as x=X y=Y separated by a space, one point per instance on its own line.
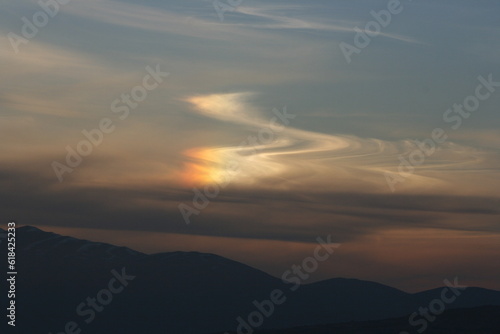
x=324 y=161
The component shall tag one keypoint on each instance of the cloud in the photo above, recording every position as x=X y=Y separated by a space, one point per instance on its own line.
x=324 y=161
x=49 y=80
x=275 y=21
x=151 y=19
x=195 y=25
x=151 y=205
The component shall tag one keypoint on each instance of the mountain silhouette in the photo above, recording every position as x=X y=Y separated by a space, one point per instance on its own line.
x=184 y=292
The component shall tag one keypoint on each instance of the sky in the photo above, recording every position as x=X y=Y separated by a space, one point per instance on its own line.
x=249 y=128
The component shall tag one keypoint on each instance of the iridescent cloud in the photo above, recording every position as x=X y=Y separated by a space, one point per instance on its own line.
x=322 y=161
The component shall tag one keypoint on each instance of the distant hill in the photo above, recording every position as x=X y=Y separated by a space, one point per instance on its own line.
x=184 y=292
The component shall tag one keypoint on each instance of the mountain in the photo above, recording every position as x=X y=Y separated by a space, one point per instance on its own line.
x=101 y=288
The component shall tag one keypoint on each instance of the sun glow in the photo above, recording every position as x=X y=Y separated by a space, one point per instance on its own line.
x=202 y=167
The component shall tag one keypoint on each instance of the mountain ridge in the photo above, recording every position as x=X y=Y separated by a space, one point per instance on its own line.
x=59 y=272
x=30 y=228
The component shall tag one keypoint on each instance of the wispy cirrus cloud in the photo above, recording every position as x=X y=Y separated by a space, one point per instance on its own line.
x=159 y=20
x=42 y=64
x=196 y=24
x=328 y=161
x=271 y=20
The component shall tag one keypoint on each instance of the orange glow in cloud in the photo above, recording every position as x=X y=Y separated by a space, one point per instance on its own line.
x=202 y=168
